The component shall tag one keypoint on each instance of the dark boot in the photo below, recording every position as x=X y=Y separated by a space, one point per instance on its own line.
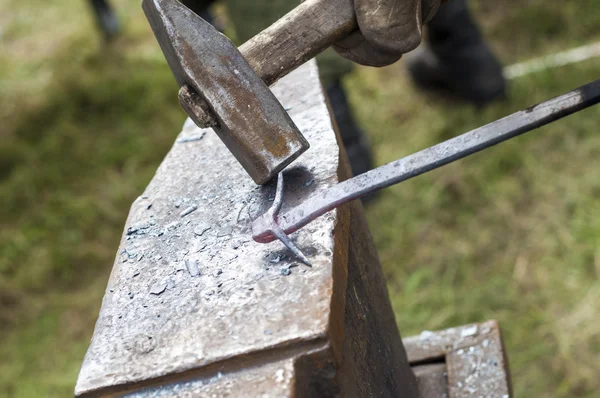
x=106 y=18
x=354 y=139
x=455 y=60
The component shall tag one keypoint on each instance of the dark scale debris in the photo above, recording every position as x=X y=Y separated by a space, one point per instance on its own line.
x=137 y=230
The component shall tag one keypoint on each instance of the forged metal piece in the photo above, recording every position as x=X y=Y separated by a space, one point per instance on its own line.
x=272 y=215
x=423 y=161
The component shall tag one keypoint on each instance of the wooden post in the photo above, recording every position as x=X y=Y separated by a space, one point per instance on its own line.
x=194 y=307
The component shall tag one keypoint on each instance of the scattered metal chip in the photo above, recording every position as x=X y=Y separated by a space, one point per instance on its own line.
x=285 y=271
x=192 y=267
x=279 y=376
x=469 y=331
x=200 y=229
x=188 y=210
x=225 y=231
x=158 y=288
x=139 y=229
x=277 y=258
x=190 y=139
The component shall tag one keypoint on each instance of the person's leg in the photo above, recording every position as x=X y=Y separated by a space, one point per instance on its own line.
x=455 y=58
x=250 y=17
x=201 y=7
x=106 y=18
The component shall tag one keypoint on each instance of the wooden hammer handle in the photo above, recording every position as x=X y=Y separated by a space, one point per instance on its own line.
x=301 y=34
x=304 y=32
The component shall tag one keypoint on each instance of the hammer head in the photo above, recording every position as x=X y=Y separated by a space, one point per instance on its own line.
x=219 y=89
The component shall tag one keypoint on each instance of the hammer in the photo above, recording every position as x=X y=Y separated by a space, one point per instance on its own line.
x=226 y=88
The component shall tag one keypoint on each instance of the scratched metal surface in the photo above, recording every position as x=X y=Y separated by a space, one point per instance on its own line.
x=274 y=379
x=189 y=288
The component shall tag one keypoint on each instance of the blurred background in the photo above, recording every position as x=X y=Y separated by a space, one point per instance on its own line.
x=511 y=234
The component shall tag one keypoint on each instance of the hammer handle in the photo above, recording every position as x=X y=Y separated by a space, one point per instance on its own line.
x=301 y=34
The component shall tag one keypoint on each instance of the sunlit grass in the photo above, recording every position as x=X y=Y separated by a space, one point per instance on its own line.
x=511 y=234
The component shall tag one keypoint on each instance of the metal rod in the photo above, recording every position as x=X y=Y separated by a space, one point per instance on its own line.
x=429 y=159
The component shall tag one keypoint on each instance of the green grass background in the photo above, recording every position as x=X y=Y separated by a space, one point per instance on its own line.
x=511 y=234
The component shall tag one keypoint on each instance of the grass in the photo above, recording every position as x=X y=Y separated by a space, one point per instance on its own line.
x=511 y=234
